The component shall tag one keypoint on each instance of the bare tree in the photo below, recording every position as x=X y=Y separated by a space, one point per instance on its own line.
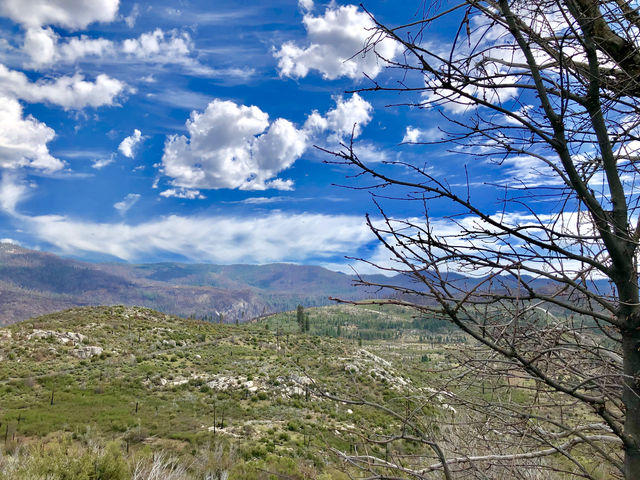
x=549 y=284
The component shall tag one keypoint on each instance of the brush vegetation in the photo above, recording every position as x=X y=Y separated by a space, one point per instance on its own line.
x=127 y=392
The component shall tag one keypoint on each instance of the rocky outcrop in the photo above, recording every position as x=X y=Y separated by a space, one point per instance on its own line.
x=62 y=337
x=86 y=352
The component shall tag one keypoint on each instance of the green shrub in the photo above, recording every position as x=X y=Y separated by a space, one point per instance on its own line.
x=67 y=461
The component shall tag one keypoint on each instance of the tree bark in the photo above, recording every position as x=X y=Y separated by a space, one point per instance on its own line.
x=631 y=399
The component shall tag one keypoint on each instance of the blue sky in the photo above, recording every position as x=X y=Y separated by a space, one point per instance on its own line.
x=184 y=130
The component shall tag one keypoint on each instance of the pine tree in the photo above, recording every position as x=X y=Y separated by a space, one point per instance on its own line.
x=300 y=317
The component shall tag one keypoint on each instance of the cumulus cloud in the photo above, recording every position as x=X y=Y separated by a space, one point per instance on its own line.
x=412 y=135
x=418 y=135
x=40 y=45
x=128 y=146
x=334 y=42
x=23 y=141
x=159 y=44
x=43 y=47
x=349 y=116
x=129 y=201
x=73 y=14
x=235 y=146
x=232 y=146
x=69 y=92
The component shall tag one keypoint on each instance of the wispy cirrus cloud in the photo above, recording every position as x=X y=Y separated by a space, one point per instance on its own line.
x=273 y=237
x=127 y=202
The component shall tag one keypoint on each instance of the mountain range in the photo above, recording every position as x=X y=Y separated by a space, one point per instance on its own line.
x=35 y=283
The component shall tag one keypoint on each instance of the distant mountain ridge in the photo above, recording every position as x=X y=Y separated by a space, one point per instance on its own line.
x=35 y=283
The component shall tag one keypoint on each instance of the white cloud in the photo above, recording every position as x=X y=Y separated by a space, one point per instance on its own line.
x=159 y=45
x=316 y=123
x=279 y=184
x=335 y=40
x=235 y=146
x=264 y=200
x=275 y=237
x=12 y=192
x=129 y=201
x=64 y=13
x=493 y=54
x=23 y=141
x=185 y=193
x=369 y=152
x=460 y=104
x=412 y=135
x=380 y=259
x=128 y=146
x=232 y=146
x=40 y=45
x=100 y=163
x=83 y=46
x=349 y=116
x=43 y=47
x=130 y=19
x=418 y=135
x=306 y=5
x=68 y=92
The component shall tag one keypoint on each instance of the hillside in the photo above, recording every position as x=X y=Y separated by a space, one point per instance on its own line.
x=35 y=283
x=153 y=384
x=128 y=393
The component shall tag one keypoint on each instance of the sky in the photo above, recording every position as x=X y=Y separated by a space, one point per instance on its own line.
x=187 y=130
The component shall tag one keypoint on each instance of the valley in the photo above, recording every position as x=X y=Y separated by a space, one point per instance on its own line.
x=244 y=385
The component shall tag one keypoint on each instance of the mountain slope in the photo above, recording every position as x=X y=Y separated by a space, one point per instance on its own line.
x=33 y=283
x=155 y=383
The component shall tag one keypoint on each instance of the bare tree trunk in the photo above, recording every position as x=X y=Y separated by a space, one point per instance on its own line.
x=550 y=87
x=631 y=399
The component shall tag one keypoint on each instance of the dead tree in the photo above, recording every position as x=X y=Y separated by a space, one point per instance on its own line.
x=545 y=278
